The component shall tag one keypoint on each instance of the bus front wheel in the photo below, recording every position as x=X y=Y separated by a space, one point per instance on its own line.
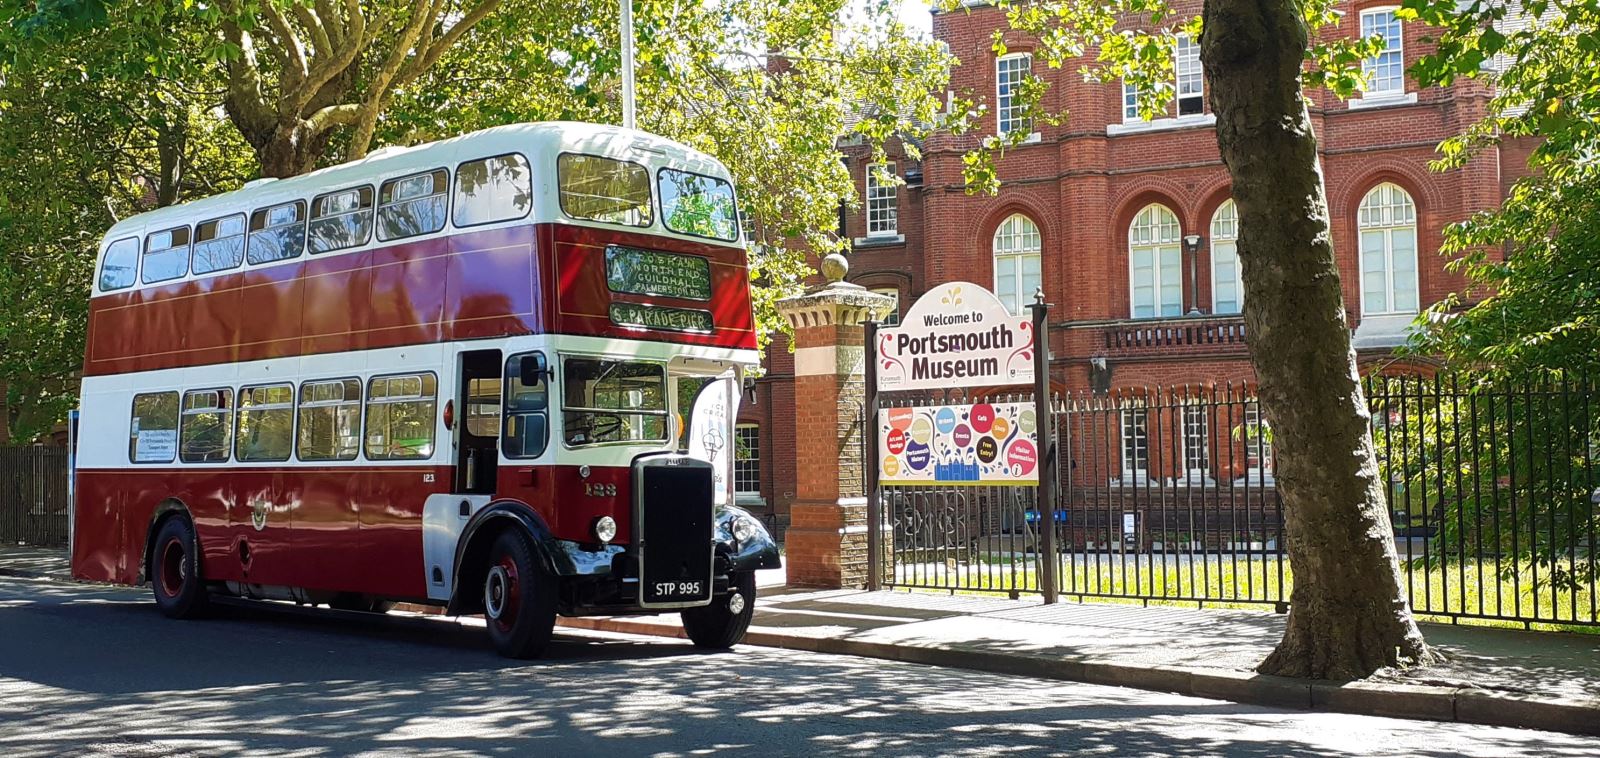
x=174 y=572
x=722 y=624
x=519 y=598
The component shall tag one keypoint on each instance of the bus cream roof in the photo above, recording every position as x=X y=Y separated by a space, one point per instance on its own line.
x=541 y=138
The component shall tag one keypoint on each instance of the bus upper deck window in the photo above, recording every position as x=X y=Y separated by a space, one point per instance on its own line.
x=218 y=244
x=412 y=205
x=121 y=263
x=698 y=205
x=277 y=233
x=602 y=189
x=493 y=189
x=166 y=255
x=340 y=220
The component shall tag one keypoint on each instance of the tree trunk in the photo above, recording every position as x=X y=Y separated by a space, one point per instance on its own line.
x=1348 y=615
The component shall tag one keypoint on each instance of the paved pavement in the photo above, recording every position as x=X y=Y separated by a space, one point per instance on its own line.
x=91 y=670
x=1490 y=676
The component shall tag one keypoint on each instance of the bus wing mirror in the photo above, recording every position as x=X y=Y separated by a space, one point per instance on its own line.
x=533 y=369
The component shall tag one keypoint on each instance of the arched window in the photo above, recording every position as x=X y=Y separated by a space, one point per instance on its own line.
x=1227 y=285
x=1156 y=263
x=1388 y=223
x=1016 y=262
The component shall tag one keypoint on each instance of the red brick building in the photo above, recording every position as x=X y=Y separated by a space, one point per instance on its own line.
x=1126 y=223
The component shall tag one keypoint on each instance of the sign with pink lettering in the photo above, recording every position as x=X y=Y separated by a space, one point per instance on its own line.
x=980 y=443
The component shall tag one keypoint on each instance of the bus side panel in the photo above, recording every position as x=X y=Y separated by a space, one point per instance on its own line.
x=209 y=496
x=212 y=331
x=262 y=517
x=407 y=293
x=97 y=532
x=157 y=328
x=271 y=302
x=335 y=315
x=492 y=284
x=327 y=528
x=391 y=528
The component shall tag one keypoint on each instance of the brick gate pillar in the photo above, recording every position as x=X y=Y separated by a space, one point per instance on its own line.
x=826 y=542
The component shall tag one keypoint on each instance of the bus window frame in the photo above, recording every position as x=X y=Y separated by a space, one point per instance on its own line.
x=378 y=204
x=655 y=210
x=665 y=413
x=366 y=415
x=661 y=198
x=188 y=250
x=105 y=257
x=508 y=380
x=371 y=210
x=224 y=406
x=302 y=218
x=455 y=188
x=133 y=407
x=300 y=404
x=244 y=242
x=238 y=420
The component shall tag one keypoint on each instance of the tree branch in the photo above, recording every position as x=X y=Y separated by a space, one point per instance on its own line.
x=345 y=114
x=294 y=70
x=244 y=99
x=321 y=44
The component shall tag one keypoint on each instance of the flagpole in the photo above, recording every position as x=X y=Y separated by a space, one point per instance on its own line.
x=627 y=63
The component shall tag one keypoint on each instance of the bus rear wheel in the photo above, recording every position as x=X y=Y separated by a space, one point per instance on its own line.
x=174 y=571
x=519 y=599
x=722 y=624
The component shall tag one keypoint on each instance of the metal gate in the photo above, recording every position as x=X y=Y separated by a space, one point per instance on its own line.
x=33 y=496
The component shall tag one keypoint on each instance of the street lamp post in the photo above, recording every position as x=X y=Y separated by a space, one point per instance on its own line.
x=627 y=63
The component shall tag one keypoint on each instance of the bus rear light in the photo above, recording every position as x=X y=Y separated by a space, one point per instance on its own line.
x=450 y=414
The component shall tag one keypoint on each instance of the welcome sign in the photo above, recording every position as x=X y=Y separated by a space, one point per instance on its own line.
x=957 y=335
x=981 y=443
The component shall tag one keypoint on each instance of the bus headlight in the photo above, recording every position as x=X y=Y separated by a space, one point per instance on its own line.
x=605 y=529
x=743 y=528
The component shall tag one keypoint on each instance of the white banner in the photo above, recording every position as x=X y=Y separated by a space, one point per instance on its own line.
x=956 y=335
x=982 y=443
x=711 y=434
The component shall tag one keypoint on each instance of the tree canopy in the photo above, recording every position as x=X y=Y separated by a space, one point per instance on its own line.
x=121 y=106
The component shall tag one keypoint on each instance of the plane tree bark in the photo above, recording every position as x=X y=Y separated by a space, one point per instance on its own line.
x=1348 y=615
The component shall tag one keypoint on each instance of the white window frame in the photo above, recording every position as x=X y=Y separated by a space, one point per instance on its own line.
x=737 y=490
x=1389 y=226
x=1197 y=75
x=1005 y=109
x=1395 y=45
x=1226 y=235
x=1021 y=246
x=1129 y=422
x=882 y=201
x=892 y=318
x=1262 y=472
x=1196 y=441
x=1158 y=241
x=1130 y=104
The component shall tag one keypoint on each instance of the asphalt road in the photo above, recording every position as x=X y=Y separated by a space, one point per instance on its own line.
x=97 y=671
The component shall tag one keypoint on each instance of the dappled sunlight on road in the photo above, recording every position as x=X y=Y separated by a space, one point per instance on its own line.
x=91 y=671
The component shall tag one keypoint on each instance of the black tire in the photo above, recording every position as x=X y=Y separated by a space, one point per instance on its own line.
x=519 y=598
x=716 y=627
x=174 y=571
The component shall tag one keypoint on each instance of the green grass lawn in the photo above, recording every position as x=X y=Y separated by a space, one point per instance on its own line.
x=1228 y=582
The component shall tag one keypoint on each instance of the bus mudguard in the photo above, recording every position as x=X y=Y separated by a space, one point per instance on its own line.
x=745 y=541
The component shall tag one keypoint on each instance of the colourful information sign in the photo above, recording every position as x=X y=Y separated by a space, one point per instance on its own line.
x=981 y=443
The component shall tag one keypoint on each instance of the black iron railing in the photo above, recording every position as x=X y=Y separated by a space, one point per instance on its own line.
x=33 y=496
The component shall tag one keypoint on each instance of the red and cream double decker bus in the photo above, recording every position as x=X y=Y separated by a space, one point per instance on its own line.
x=495 y=373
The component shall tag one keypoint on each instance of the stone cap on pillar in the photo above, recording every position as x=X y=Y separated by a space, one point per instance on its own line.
x=838 y=303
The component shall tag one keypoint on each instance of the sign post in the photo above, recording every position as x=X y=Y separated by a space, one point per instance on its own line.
x=868 y=437
x=960 y=335
x=1047 y=468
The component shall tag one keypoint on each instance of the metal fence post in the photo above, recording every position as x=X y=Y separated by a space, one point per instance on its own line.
x=869 y=442
x=1044 y=422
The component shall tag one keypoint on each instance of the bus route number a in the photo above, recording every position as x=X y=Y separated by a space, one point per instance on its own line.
x=956 y=335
